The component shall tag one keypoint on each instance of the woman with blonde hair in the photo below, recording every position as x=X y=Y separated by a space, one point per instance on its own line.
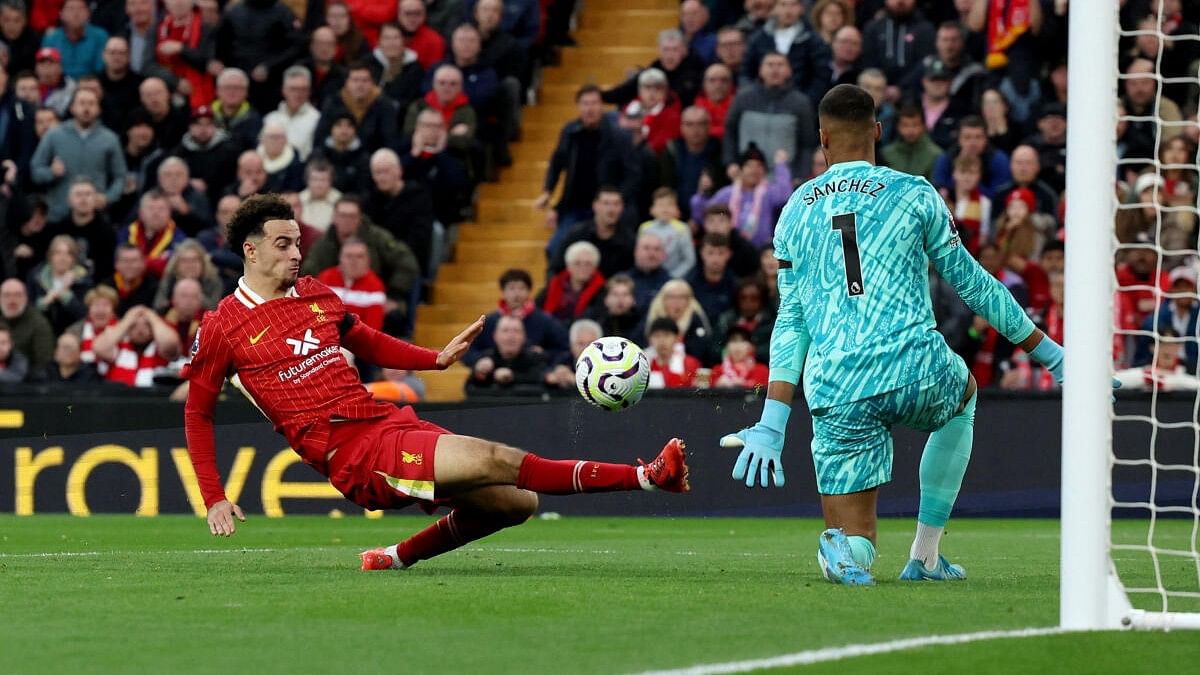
x=676 y=302
x=828 y=16
x=190 y=261
x=57 y=285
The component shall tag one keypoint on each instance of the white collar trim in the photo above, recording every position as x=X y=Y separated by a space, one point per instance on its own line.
x=250 y=299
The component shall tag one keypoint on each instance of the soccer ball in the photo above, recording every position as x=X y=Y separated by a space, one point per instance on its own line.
x=612 y=373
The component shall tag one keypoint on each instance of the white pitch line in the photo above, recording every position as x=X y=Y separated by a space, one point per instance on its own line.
x=850 y=651
x=81 y=554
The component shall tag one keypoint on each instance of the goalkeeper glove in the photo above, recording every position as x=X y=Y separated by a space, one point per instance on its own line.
x=1050 y=354
x=762 y=445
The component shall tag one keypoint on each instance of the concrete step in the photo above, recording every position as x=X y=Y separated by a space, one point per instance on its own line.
x=468 y=294
x=561 y=93
x=504 y=210
x=609 y=57
x=445 y=386
x=503 y=232
x=514 y=187
x=634 y=14
x=640 y=35
x=462 y=314
x=513 y=253
x=489 y=272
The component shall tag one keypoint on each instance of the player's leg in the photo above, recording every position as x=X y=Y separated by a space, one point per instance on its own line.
x=943 y=465
x=465 y=463
x=475 y=515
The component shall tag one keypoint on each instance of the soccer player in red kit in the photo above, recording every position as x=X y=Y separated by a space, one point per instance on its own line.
x=279 y=337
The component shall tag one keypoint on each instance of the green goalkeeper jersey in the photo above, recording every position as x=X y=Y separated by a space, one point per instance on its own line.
x=855 y=317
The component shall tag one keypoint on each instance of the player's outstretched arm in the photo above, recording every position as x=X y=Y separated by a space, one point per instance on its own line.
x=384 y=350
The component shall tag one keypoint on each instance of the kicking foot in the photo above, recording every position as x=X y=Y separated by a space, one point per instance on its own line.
x=379 y=559
x=945 y=570
x=837 y=560
x=668 y=471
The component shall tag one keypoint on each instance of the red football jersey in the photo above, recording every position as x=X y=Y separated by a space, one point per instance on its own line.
x=285 y=355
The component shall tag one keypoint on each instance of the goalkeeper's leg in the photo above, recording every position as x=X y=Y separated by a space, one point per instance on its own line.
x=943 y=465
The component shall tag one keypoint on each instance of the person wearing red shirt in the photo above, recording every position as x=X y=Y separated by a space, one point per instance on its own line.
x=362 y=291
x=370 y=15
x=670 y=366
x=279 y=337
x=739 y=368
x=716 y=97
x=658 y=107
x=418 y=36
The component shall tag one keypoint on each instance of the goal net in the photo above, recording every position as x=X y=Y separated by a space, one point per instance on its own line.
x=1131 y=469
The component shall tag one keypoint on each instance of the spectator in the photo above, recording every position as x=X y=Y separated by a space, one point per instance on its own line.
x=136 y=346
x=397 y=386
x=142 y=155
x=281 y=162
x=501 y=49
x=592 y=152
x=973 y=142
x=954 y=319
x=395 y=67
x=374 y=114
x=738 y=368
x=1020 y=239
x=170 y=121
x=657 y=108
x=674 y=233
x=686 y=159
x=620 y=315
x=363 y=292
x=684 y=71
x=17 y=135
x=403 y=208
x=140 y=29
x=1001 y=133
x=575 y=289
x=68 y=366
x=259 y=37
x=716 y=97
x=876 y=84
x=185 y=310
x=233 y=112
x=18 y=35
x=228 y=264
x=773 y=116
x=829 y=16
x=991 y=350
x=44 y=120
x=971 y=208
x=942 y=114
x=1025 y=168
x=648 y=272
x=790 y=34
x=447 y=98
x=498 y=105
x=191 y=262
x=351 y=43
x=510 y=365
x=346 y=153
x=14 y=366
x=32 y=237
x=391 y=260
x=543 y=333
x=750 y=315
x=295 y=113
x=712 y=281
x=31 y=332
x=731 y=48
x=1166 y=371
x=676 y=302
x=57 y=286
x=752 y=200
x=560 y=371
x=1179 y=312
x=189 y=207
x=693 y=25
x=614 y=243
x=371 y=16
x=210 y=154
x=27 y=87
x=967 y=77
x=671 y=367
x=1140 y=284
x=251 y=175
x=154 y=232
x=133 y=285
x=319 y=195
x=1178 y=157
x=101 y=303
x=81 y=148
x=1173 y=230
x=913 y=151
x=1142 y=100
x=425 y=41
x=185 y=46
x=756 y=16
x=898 y=40
x=425 y=158
x=120 y=84
x=79 y=43
x=1012 y=47
x=328 y=76
x=1050 y=142
x=88 y=227
x=845 y=64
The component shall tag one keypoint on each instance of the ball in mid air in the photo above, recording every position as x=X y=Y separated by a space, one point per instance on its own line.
x=612 y=373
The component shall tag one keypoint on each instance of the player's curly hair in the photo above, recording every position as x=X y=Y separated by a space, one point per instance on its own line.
x=249 y=218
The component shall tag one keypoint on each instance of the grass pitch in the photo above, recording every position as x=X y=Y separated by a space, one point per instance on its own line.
x=574 y=595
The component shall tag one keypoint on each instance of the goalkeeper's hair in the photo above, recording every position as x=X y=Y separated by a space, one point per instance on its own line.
x=250 y=217
x=847 y=103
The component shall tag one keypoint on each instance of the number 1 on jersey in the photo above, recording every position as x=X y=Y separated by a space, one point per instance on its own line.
x=845 y=223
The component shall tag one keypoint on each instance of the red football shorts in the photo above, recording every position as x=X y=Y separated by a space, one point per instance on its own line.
x=387 y=462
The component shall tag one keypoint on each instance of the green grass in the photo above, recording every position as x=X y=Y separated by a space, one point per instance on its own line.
x=575 y=595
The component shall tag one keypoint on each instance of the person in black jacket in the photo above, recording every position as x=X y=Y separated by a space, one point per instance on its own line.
x=210 y=155
x=510 y=366
x=17 y=136
x=807 y=54
x=404 y=208
x=261 y=38
x=375 y=114
x=328 y=76
x=395 y=67
x=425 y=159
x=346 y=153
x=684 y=70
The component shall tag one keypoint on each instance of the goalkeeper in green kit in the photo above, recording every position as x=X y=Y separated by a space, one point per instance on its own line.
x=855 y=321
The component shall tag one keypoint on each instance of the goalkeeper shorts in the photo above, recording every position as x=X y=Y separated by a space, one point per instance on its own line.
x=852 y=442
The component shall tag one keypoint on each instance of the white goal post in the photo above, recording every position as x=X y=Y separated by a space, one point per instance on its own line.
x=1092 y=595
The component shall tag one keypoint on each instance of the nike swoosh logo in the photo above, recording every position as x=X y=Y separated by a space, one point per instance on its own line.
x=255 y=339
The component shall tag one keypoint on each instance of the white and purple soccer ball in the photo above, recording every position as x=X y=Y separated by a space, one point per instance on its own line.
x=612 y=373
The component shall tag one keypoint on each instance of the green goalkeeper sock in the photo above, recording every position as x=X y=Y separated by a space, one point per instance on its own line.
x=943 y=465
x=863 y=550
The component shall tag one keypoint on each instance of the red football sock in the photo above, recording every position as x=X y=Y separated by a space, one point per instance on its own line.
x=571 y=476
x=451 y=531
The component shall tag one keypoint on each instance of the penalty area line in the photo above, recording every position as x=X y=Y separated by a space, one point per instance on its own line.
x=824 y=654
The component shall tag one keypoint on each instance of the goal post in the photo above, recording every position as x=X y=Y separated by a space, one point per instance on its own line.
x=1092 y=596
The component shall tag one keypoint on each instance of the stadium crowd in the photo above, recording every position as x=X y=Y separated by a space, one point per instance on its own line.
x=130 y=131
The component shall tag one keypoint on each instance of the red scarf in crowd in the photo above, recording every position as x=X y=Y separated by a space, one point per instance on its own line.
x=557 y=289
x=1008 y=20
x=520 y=312
x=449 y=109
x=203 y=90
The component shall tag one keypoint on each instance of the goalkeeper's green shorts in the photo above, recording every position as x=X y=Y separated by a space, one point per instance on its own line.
x=852 y=442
